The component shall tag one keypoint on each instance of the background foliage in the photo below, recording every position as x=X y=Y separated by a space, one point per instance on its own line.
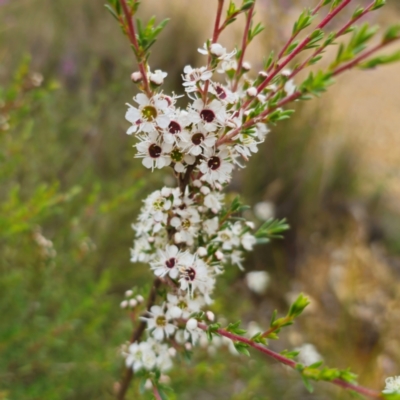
x=68 y=176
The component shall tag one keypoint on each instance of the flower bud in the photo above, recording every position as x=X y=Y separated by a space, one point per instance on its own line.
x=133 y=303
x=202 y=251
x=124 y=304
x=128 y=293
x=136 y=77
x=246 y=66
x=191 y=324
x=251 y=92
x=140 y=298
x=205 y=190
x=210 y=316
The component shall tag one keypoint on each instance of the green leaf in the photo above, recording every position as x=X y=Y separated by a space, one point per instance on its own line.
x=303 y=22
x=381 y=60
x=307 y=384
x=247 y=4
x=392 y=33
x=242 y=348
x=378 y=4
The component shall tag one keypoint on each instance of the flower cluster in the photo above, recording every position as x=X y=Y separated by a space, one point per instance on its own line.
x=192 y=138
x=187 y=235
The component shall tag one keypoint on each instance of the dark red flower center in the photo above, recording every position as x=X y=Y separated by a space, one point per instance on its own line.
x=214 y=163
x=220 y=92
x=190 y=274
x=155 y=151
x=197 y=138
x=174 y=127
x=207 y=115
x=170 y=263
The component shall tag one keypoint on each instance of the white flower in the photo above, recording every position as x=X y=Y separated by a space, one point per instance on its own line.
x=154 y=155
x=200 y=139
x=157 y=77
x=257 y=281
x=308 y=354
x=195 y=275
x=216 y=166
x=212 y=115
x=167 y=262
x=213 y=201
x=140 y=355
x=185 y=304
x=210 y=226
x=225 y=95
x=152 y=113
x=158 y=323
x=248 y=241
x=192 y=76
x=217 y=51
x=392 y=385
x=187 y=224
x=289 y=87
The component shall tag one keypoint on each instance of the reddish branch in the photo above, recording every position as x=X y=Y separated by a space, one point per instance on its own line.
x=338 y=34
x=132 y=37
x=215 y=36
x=279 y=66
x=290 y=363
x=245 y=42
x=136 y=336
x=296 y=95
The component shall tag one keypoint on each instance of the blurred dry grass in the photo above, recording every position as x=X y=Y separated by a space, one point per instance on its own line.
x=334 y=172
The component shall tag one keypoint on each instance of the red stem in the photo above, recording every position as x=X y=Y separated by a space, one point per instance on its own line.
x=298 y=94
x=287 y=361
x=298 y=49
x=338 y=34
x=244 y=47
x=132 y=36
x=156 y=393
x=214 y=40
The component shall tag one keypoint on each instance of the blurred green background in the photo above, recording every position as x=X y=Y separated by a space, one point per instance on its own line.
x=70 y=188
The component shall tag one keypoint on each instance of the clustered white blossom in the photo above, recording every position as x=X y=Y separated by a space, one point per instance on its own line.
x=392 y=385
x=186 y=234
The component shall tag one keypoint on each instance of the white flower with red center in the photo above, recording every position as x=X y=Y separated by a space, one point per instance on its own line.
x=154 y=154
x=193 y=76
x=223 y=93
x=212 y=115
x=199 y=140
x=176 y=131
x=216 y=166
x=158 y=323
x=195 y=275
x=167 y=262
x=151 y=114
